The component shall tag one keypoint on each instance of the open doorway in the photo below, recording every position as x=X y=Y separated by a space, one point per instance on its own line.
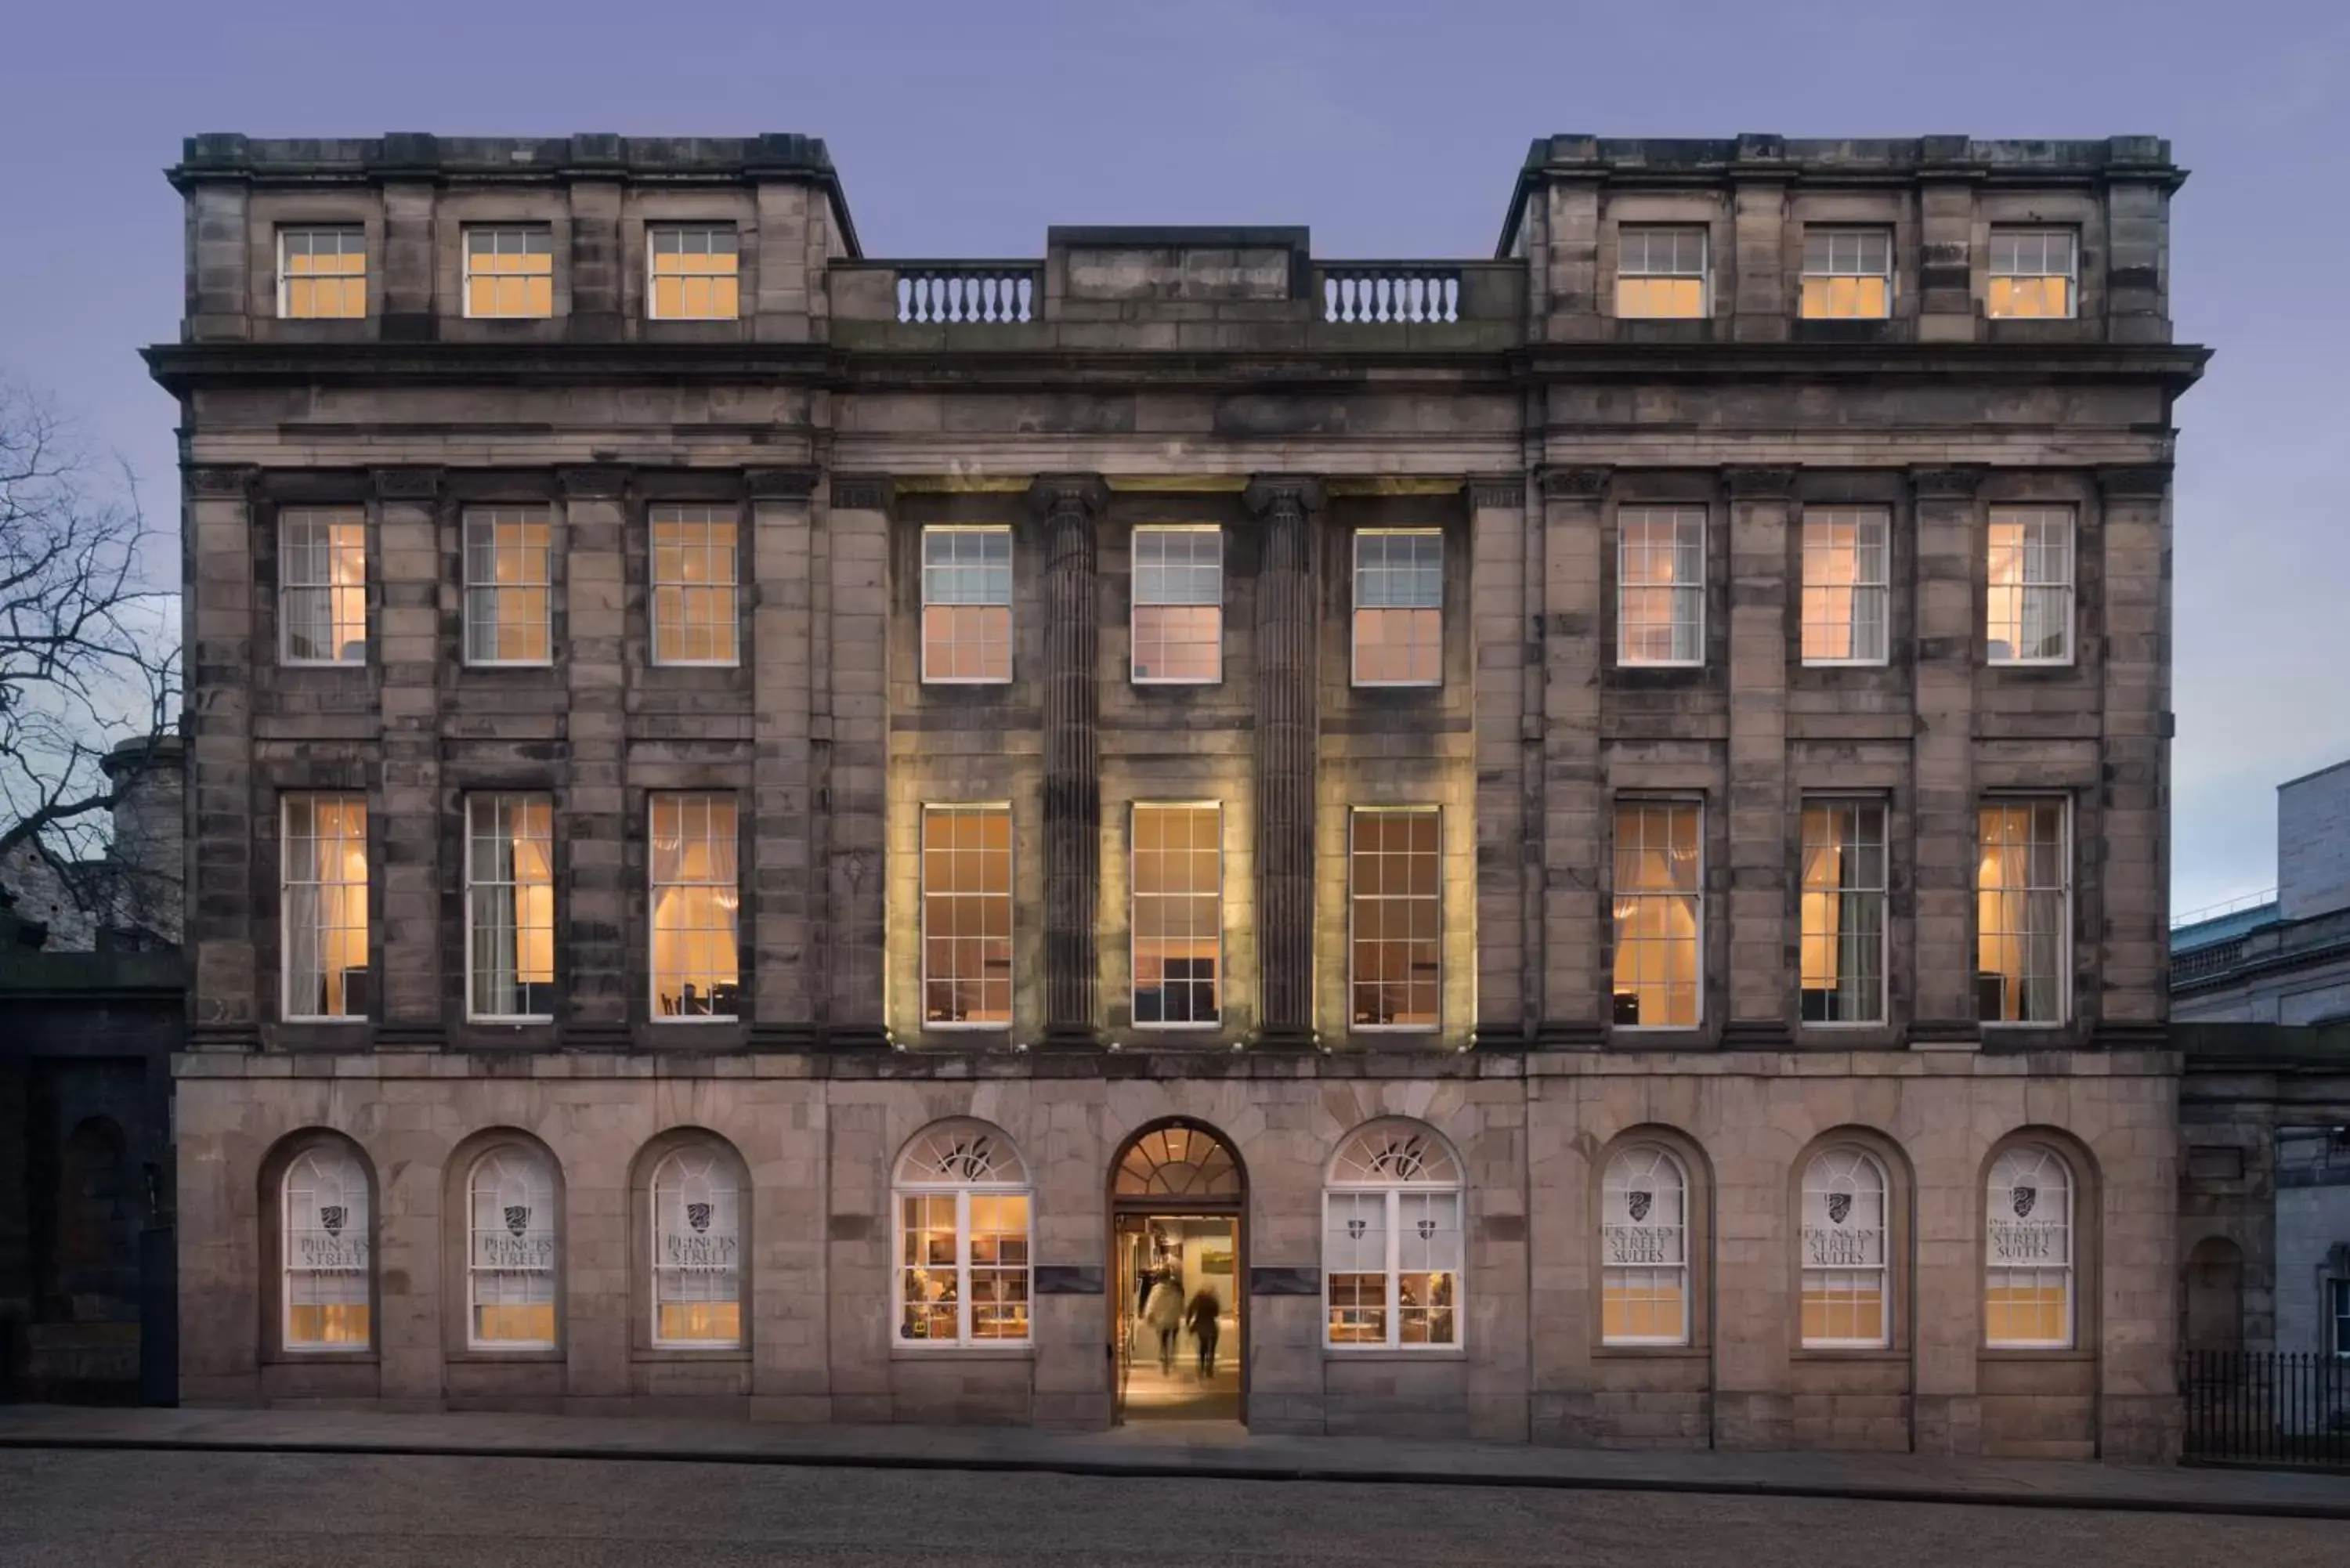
x=1179 y=1298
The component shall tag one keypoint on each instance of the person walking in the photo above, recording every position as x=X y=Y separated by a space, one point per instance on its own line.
x=1202 y=1318
x=1164 y=1312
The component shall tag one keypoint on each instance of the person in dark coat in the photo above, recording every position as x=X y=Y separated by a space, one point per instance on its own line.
x=1201 y=1317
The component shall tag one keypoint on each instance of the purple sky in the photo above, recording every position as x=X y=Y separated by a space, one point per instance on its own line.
x=1393 y=130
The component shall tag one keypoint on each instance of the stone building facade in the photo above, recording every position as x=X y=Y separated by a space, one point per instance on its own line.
x=2284 y=956
x=784 y=831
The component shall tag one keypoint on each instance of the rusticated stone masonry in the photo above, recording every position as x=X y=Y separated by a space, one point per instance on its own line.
x=1287 y=741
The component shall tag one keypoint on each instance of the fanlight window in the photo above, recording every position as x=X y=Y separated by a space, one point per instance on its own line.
x=511 y=1252
x=2028 y=1251
x=697 y=1251
x=1178 y=1162
x=1391 y=1240
x=1844 y=1226
x=1644 y=1249
x=964 y=1274
x=326 y=1261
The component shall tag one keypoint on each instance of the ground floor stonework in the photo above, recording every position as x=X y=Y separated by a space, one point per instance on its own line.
x=1941 y=1250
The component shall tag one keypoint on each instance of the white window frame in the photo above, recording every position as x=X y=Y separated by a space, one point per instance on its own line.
x=1702 y=233
x=538 y=1166
x=344 y=234
x=1882 y=1269
x=1617 y=895
x=2337 y=1315
x=1998 y=1192
x=490 y=519
x=653 y=900
x=2066 y=957
x=2045 y=231
x=358 y=1220
x=724 y=1189
x=1138 y=604
x=1390 y=1190
x=1862 y=520
x=907 y=1182
x=1682 y=518
x=1009 y=604
x=497 y=801
x=2032 y=518
x=923 y=902
x=653 y=274
x=497 y=233
x=331 y=518
x=1134 y=902
x=1360 y=608
x=1355 y=814
x=1832 y=232
x=692 y=514
x=1662 y=1157
x=285 y=886
x=1881 y=892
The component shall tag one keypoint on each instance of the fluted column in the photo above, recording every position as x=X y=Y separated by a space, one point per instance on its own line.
x=1288 y=735
x=1070 y=504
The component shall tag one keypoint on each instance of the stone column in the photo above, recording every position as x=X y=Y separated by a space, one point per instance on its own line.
x=1951 y=538
x=2131 y=866
x=783 y=884
x=222 y=635
x=1762 y=957
x=410 y=658
x=1288 y=747
x=1573 y=992
x=597 y=889
x=1071 y=505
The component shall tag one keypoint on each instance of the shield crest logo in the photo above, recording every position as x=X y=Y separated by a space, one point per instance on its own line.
x=332 y=1216
x=698 y=1216
x=1638 y=1203
x=517 y=1219
x=1427 y=1229
x=1839 y=1206
x=1355 y=1229
x=2024 y=1198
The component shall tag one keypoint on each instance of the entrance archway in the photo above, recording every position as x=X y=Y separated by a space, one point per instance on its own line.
x=1177 y=1303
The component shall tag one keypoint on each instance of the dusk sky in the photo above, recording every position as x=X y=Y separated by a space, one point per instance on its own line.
x=1393 y=130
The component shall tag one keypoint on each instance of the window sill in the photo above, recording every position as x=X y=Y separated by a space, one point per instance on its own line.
x=1395 y=1353
x=2027 y=1353
x=1649 y=1353
x=474 y=1356
x=1873 y=1354
x=280 y=1357
x=657 y=1355
x=902 y=1352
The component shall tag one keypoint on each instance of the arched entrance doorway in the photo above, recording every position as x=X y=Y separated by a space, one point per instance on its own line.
x=1179 y=1272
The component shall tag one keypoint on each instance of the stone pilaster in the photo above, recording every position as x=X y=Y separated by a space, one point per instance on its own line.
x=1950 y=537
x=1946 y=212
x=593 y=912
x=848 y=749
x=1758 y=235
x=1288 y=745
x=1574 y=992
x=1070 y=505
x=409 y=650
x=1761 y=954
x=782 y=807
x=2132 y=863
x=596 y=262
x=405 y=296
x=1507 y=961
x=223 y=814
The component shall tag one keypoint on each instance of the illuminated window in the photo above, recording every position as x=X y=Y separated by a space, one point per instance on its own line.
x=966 y=604
x=2032 y=273
x=1847 y=274
x=696 y=617
x=1395 y=907
x=694 y=274
x=506 y=591
x=510 y=1251
x=327 y=1263
x=1658 y=915
x=697 y=1264
x=967 y=915
x=1179 y=605
x=1660 y=272
x=2023 y=912
x=2029 y=606
x=322 y=894
x=1660 y=586
x=322 y=587
x=1845 y=1298
x=1843 y=912
x=962 y=1275
x=1391 y=1249
x=1179 y=914
x=510 y=906
x=509 y=272
x=1399 y=607
x=2028 y=1252
x=695 y=899
x=1846 y=574
x=322 y=274
x=1644 y=1248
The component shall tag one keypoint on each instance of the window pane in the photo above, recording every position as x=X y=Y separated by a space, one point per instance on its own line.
x=2022 y=911
x=322 y=274
x=1177 y=920
x=1846 y=556
x=967 y=915
x=1660 y=272
x=509 y=272
x=696 y=613
x=694 y=274
x=1395 y=897
x=1179 y=594
x=966 y=604
x=322 y=585
x=2029 y=607
x=1399 y=631
x=323 y=901
x=695 y=894
x=510 y=1254
x=1660 y=586
x=2032 y=273
x=697 y=1261
x=328 y=1257
x=507 y=585
x=1844 y=890
x=1644 y=1249
x=2028 y=1249
x=1844 y=1251
x=1657 y=913
x=1847 y=274
x=510 y=903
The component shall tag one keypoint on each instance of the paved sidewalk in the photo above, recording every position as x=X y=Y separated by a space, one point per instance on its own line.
x=1205 y=1451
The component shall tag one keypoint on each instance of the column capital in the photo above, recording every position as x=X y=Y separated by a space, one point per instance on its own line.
x=405 y=484
x=2134 y=481
x=1271 y=492
x=599 y=483
x=795 y=483
x=1759 y=483
x=1501 y=493
x=224 y=481
x=1959 y=483
x=1054 y=495
x=859 y=491
x=1574 y=481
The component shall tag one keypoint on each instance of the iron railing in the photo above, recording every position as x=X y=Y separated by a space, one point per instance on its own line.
x=2266 y=1408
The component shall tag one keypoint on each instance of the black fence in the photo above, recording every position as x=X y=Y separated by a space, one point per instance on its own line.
x=2266 y=1408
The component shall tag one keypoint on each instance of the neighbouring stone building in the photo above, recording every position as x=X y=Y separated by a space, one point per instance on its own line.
x=1569 y=848
x=2282 y=958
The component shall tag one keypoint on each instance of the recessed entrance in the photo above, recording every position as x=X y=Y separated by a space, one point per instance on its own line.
x=1178 y=1301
